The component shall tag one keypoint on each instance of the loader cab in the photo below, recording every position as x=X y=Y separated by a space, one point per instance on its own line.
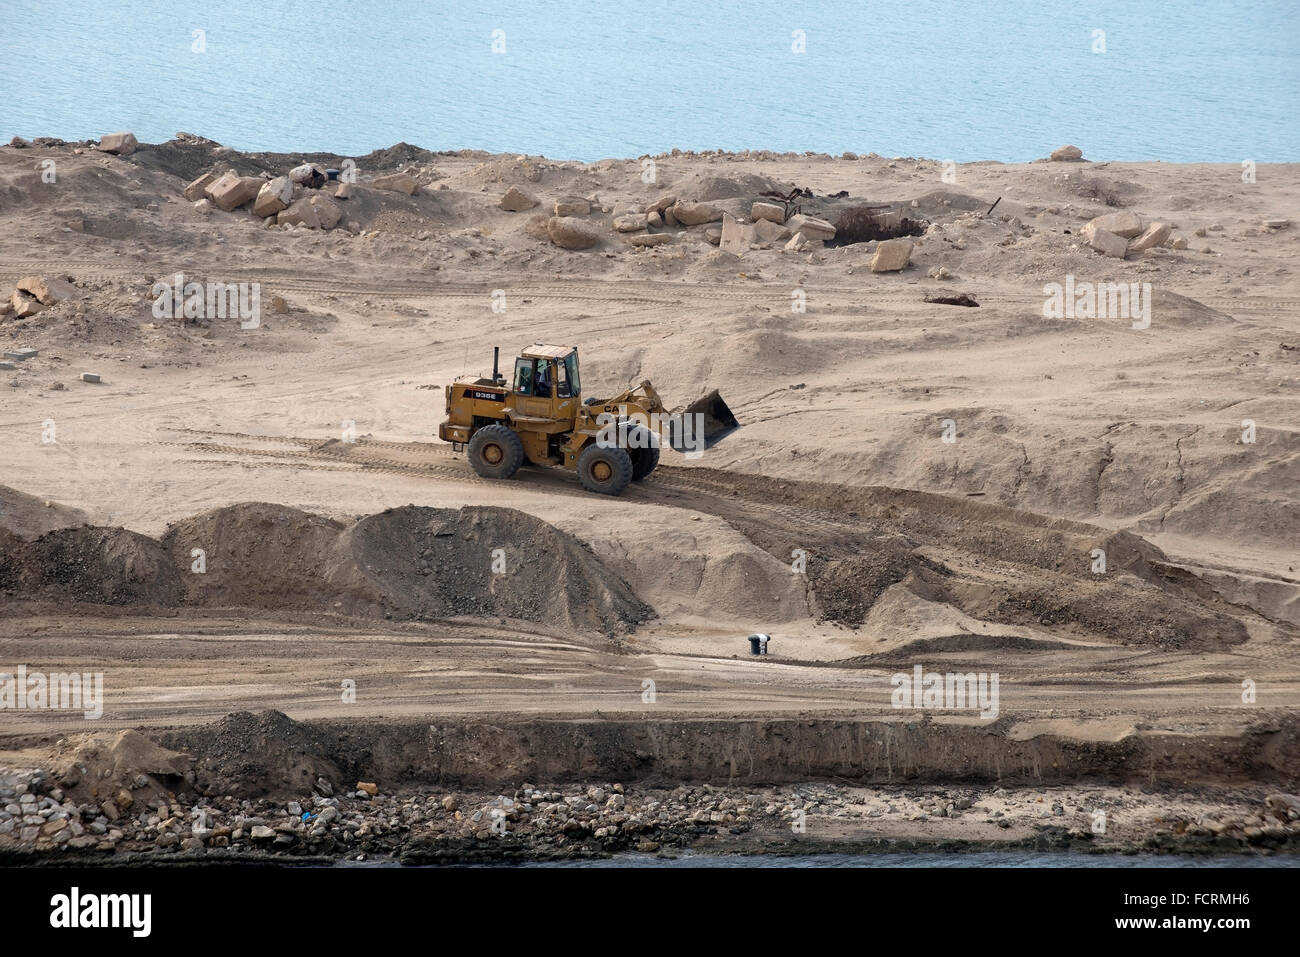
x=546 y=383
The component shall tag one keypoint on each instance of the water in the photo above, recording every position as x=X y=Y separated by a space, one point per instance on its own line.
x=1200 y=80
x=976 y=859
x=979 y=859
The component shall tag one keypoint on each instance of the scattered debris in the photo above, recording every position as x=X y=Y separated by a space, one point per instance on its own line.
x=961 y=299
x=90 y=377
x=788 y=200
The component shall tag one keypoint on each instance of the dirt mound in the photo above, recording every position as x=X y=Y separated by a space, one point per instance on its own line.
x=256 y=555
x=941 y=205
x=524 y=171
x=101 y=566
x=30 y=517
x=845 y=590
x=96 y=766
x=705 y=188
x=1106 y=189
x=256 y=755
x=188 y=159
x=409 y=563
x=908 y=652
x=429 y=562
x=397 y=156
x=1169 y=308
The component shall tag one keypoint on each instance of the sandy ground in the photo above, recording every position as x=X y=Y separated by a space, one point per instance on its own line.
x=1068 y=431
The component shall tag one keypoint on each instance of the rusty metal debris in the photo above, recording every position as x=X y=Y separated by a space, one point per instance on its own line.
x=790 y=199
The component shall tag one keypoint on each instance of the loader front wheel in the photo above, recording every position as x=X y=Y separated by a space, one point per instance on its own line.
x=604 y=470
x=643 y=447
x=495 y=452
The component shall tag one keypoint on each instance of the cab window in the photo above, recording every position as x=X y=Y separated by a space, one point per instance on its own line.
x=562 y=380
x=544 y=378
x=524 y=376
x=571 y=372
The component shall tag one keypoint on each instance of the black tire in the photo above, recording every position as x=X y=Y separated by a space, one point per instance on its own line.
x=643 y=450
x=495 y=452
x=604 y=470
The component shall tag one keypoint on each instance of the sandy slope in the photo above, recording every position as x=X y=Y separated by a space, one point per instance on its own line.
x=1088 y=420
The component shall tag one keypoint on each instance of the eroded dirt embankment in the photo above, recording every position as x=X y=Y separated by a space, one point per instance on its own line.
x=269 y=754
x=260 y=786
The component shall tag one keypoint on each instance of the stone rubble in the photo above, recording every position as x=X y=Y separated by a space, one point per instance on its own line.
x=37 y=816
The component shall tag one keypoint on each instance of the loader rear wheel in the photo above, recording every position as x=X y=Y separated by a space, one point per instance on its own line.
x=643 y=446
x=604 y=470
x=495 y=452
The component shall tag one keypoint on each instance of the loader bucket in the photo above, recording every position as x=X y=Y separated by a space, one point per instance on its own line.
x=718 y=421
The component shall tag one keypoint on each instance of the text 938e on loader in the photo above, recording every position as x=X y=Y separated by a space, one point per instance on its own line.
x=540 y=417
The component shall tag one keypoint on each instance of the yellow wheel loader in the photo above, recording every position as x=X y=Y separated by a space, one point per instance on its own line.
x=540 y=417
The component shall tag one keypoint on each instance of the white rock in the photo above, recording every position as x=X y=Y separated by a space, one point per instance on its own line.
x=570 y=233
x=122 y=144
x=892 y=255
x=1123 y=224
x=275 y=195
x=1154 y=235
x=1104 y=241
x=811 y=226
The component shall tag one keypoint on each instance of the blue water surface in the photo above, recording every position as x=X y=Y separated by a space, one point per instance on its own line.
x=1196 y=80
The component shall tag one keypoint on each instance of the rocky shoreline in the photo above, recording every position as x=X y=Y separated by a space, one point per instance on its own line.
x=41 y=824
